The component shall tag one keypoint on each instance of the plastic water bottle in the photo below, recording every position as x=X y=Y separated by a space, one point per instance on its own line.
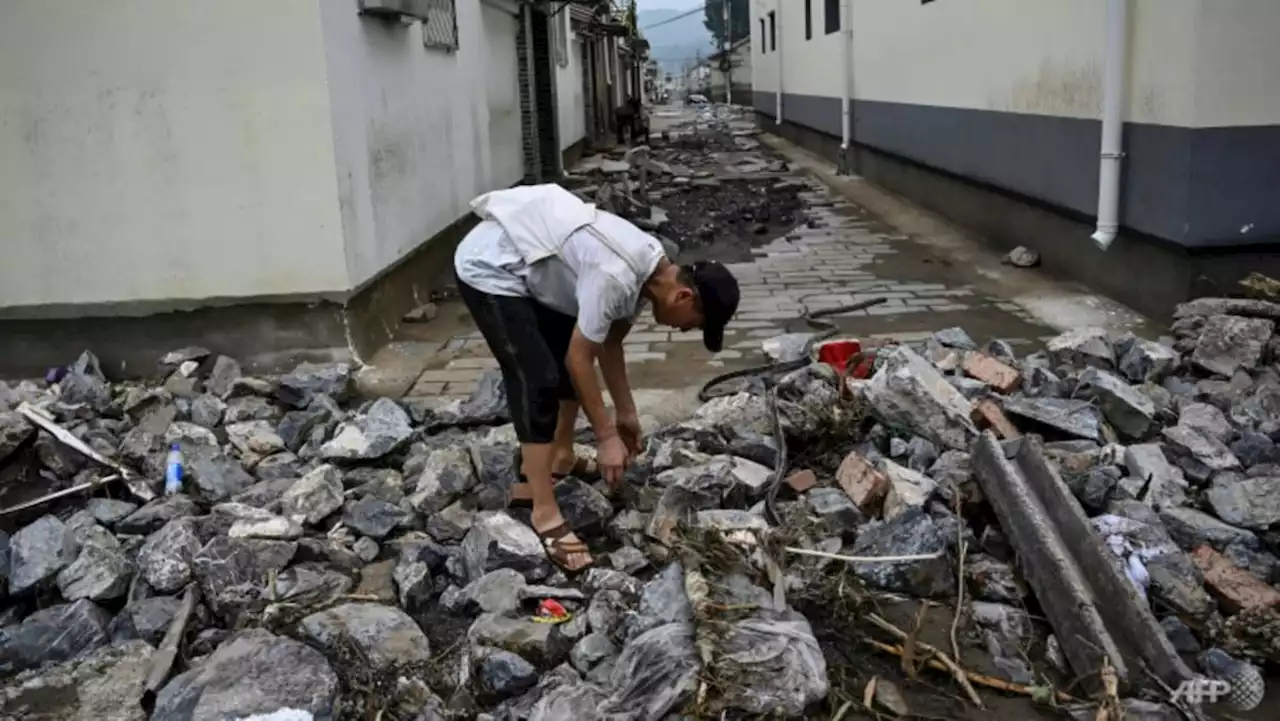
x=173 y=471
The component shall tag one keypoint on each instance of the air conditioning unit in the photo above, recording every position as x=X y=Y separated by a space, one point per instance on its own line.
x=395 y=8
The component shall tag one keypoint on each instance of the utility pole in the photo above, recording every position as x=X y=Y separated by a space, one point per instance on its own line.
x=726 y=64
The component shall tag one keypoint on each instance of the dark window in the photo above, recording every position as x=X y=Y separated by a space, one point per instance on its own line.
x=764 y=39
x=808 y=19
x=773 y=32
x=833 y=16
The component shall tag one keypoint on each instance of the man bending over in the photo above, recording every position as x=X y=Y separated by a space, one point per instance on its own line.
x=554 y=286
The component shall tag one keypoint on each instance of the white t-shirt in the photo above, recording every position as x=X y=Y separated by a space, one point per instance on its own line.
x=587 y=280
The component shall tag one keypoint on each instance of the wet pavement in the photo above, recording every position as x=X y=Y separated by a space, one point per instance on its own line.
x=858 y=243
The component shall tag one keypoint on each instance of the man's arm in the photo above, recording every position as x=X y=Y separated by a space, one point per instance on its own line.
x=613 y=366
x=581 y=364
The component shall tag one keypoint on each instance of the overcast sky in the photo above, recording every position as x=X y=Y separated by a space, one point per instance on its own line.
x=673 y=4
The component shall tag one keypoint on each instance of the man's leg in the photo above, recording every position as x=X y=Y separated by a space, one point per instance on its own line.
x=532 y=381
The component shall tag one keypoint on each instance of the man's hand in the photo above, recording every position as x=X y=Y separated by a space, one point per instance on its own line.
x=629 y=431
x=611 y=456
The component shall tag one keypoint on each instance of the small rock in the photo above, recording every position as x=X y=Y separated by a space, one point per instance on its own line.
x=593 y=648
x=1190 y=529
x=101 y=571
x=383 y=429
x=1148 y=362
x=907 y=489
x=1082 y=347
x=308 y=380
x=497 y=540
x=374 y=517
x=256 y=523
x=1228 y=343
x=109 y=511
x=165 y=559
x=909 y=533
x=38 y=552
x=503 y=674
x=1131 y=412
x=519 y=635
x=385 y=636
x=1022 y=257
x=314 y=496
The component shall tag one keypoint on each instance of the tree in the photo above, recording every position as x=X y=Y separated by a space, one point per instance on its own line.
x=739 y=18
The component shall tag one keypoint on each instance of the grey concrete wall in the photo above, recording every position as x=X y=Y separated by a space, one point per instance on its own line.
x=1195 y=187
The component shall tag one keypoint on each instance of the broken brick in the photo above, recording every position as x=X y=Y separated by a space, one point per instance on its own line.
x=994 y=373
x=860 y=480
x=1236 y=589
x=802 y=480
x=986 y=414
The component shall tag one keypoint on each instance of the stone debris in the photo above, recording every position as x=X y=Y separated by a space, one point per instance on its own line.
x=356 y=559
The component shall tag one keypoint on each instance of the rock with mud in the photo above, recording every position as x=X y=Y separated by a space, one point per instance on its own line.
x=106 y=684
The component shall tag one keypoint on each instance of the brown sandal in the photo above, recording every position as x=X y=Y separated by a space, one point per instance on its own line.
x=559 y=550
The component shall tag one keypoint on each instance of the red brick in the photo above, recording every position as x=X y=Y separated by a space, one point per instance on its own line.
x=1236 y=589
x=860 y=480
x=998 y=375
x=802 y=480
x=986 y=414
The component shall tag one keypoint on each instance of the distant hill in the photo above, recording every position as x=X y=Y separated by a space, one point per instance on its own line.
x=676 y=43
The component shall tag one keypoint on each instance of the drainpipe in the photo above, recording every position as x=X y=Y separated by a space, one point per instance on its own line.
x=846 y=95
x=1114 y=71
x=777 y=14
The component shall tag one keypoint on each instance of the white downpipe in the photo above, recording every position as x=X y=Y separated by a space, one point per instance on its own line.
x=777 y=14
x=846 y=75
x=1114 y=72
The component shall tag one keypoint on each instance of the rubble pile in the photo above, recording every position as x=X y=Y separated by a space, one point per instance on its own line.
x=335 y=558
x=712 y=189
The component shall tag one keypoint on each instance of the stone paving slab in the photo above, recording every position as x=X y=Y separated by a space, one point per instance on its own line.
x=842 y=255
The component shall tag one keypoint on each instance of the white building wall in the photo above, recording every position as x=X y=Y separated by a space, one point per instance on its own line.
x=154 y=150
x=1192 y=63
x=571 y=110
x=419 y=131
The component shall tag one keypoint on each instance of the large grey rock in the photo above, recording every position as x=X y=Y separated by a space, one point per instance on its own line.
x=385 y=636
x=1255 y=449
x=775 y=665
x=254 y=673
x=1228 y=343
x=383 y=429
x=147 y=619
x=1166 y=486
x=53 y=635
x=497 y=540
x=1192 y=445
x=584 y=508
x=1208 y=420
x=1082 y=347
x=1147 y=361
x=374 y=517
x=446 y=474
x=14 y=431
x=1247 y=307
x=590 y=650
x=38 y=552
x=101 y=571
x=1259 y=409
x=314 y=496
x=234 y=573
x=503 y=674
x=109 y=511
x=910 y=533
x=517 y=634
x=155 y=514
x=165 y=559
x=1191 y=528
x=497 y=591
x=1074 y=417
x=908 y=392
x=907 y=489
x=298 y=387
x=105 y=684
x=224 y=373
x=217 y=475
x=1128 y=410
x=1252 y=503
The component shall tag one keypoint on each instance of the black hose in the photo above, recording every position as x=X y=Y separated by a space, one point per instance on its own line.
x=826 y=329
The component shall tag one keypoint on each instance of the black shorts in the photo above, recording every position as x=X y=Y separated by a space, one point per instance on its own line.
x=530 y=342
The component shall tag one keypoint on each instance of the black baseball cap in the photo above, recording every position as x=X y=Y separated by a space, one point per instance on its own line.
x=718 y=296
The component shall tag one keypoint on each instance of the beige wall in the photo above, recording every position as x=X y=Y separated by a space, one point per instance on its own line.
x=1193 y=63
x=157 y=150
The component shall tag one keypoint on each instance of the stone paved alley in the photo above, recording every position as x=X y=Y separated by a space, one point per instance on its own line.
x=858 y=243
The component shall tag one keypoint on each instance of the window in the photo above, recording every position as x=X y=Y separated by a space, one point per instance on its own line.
x=773 y=31
x=808 y=19
x=440 y=25
x=833 y=16
x=764 y=39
